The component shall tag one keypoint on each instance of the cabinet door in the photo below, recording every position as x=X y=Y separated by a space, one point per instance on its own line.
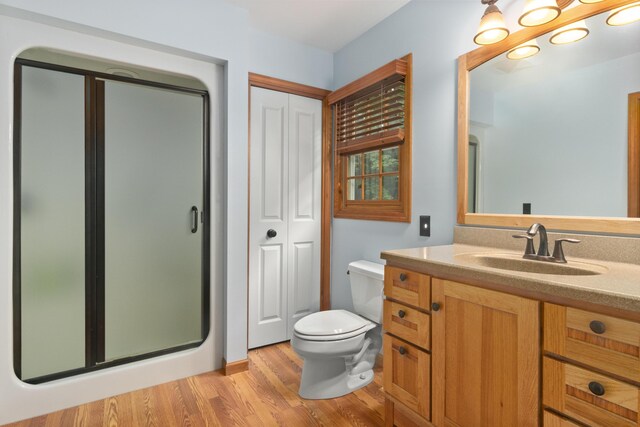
x=485 y=350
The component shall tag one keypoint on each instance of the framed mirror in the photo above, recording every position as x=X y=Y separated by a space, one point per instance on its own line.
x=553 y=137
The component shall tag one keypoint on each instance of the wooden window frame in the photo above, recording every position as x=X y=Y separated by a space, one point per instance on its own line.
x=377 y=210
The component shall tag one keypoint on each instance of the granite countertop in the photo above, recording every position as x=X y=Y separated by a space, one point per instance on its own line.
x=618 y=286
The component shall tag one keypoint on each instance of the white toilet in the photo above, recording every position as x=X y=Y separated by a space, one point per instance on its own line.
x=339 y=348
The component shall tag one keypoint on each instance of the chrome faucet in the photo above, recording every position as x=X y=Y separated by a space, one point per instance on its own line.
x=543 y=247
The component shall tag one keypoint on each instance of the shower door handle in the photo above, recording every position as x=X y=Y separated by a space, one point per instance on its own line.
x=194 y=224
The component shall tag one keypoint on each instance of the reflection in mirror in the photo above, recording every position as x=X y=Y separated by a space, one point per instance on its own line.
x=551 y=130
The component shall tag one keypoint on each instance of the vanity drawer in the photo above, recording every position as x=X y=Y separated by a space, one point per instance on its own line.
x=407 y=323
x=552 y=420
x=607 y=343
x=589 y=397
x=407 y=286
x=406 y=375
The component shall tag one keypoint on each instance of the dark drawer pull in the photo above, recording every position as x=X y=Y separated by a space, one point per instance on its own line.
x=435 y=306
x=403 y=277
x=401 y=314
x=596 y=388
x=597 y=327
x=402 y=350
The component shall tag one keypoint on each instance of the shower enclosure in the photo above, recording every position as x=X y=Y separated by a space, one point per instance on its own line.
x=111 y=228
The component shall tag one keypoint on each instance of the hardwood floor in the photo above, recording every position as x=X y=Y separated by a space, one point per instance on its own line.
x=266 y=395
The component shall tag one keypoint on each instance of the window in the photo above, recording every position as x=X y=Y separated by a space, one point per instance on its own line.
x=372 y=145
x=373 y=175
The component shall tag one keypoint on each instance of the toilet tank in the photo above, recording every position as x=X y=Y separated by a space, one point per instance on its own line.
x=367 y=282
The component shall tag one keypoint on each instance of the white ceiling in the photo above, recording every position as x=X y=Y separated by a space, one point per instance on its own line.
x=325 y=24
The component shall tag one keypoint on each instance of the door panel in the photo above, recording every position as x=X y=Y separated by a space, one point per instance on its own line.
x=271 y=285
x=153 y=177
x=268 y=203
x=303 y=299
x=273 y=163
x=305 y=161
x=52 y=222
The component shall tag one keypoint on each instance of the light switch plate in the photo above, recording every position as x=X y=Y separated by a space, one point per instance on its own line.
x=425 y=225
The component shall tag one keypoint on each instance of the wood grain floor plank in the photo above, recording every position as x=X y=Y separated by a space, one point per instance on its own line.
x=265 y=395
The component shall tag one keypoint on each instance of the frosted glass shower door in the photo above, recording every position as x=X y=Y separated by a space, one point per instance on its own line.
x=51 y=223
x=153 y=186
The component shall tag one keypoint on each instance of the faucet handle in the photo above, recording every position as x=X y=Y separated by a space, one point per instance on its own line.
x=529 y=250
x=558 y=252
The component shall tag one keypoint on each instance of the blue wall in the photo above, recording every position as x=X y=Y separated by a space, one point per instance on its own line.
x=436 y=33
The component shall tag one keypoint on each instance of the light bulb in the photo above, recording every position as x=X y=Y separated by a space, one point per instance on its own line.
x=524 y=50
x=538 y=12
x=624 y=15
x=492 y=27
x=570 y=33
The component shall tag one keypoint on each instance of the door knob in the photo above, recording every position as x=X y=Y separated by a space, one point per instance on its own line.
x=272 y=233
x=435 y=306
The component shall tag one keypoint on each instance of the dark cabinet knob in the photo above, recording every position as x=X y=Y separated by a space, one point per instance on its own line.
x=403 y=277
x=402 y=350
x=435 y=306
x=596 y=388
x=401 y=314
x=272 y=233
x=597 y=327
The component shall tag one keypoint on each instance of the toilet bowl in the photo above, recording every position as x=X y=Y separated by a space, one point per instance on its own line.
x=339 y=348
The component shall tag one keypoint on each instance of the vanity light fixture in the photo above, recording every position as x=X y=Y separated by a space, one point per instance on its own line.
x=624 y=15
x=492 y=27
x=570 y=33
x=524 y=50
x=538 y=12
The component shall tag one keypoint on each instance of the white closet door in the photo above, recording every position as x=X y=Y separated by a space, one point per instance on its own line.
x=305 y=165
x=268 y=211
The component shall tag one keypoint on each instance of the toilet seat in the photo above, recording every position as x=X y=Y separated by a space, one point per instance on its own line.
x=331 y=325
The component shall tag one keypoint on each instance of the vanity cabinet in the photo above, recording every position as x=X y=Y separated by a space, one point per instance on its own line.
x=591 y=368
x=458 y=355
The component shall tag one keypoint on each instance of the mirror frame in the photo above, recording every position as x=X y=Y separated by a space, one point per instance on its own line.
x=475 y=58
